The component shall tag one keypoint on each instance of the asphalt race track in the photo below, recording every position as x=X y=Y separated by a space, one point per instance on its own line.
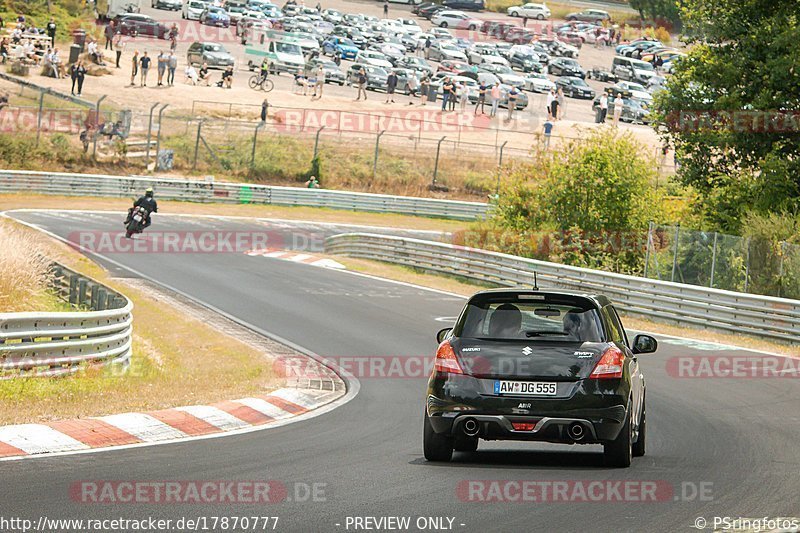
x=736 y=436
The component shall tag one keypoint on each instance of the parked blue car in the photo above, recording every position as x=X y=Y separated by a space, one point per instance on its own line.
x=345 y=46
x=215 y=16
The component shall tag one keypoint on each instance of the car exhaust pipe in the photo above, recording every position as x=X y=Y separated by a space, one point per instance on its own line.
x=576 y=431
x=471 y=427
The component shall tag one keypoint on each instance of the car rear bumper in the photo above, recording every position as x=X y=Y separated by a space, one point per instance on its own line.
x=596 y=426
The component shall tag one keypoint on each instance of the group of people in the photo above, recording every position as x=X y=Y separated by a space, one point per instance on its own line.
x=555 y=104
x=315 y=79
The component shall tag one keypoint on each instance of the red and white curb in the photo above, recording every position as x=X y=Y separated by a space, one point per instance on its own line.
x=295 y=257
x=178 y=423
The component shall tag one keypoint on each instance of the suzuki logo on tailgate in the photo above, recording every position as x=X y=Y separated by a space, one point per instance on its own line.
x=527 y=350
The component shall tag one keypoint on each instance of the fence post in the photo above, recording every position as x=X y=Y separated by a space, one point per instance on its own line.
x=499 y=166
x=149 y=135
x=780 y=270
x=158 y=133
x=375 y=160
x=97 y=118
x=316 y=141
x=436 y=165
x=747 y=265
x=675 y=253
x=255 y=138
x=713 y=259
x=197 y=144
x=647 y=247
x=39 y=119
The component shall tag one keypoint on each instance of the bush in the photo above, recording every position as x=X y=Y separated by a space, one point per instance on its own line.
x=588 y=205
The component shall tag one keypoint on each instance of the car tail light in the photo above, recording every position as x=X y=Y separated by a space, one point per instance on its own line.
x=523 y=426
x=610 y=364
x=446 y=360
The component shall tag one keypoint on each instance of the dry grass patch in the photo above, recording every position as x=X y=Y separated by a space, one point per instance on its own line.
x=23 y=271
x=177 y=360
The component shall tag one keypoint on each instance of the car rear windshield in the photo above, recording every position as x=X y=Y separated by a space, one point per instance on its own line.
x=528 y=317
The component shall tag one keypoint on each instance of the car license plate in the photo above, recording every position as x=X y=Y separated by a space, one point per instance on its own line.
x=525 y=388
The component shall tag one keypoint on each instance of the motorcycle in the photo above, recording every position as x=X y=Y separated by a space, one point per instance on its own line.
x=136 y=221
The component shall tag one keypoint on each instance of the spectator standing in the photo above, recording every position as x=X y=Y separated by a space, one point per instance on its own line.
x=495 y=99
x=172 y=66
x=447 y=88
x=362 y=84
x=320 y=83
x=512 y=101
x=554 y=103
x=603 y=107
x=413 y=87
x=385 y=9
x=134 y=67
x=391 y=85
x=549 y=105
x=524 y=21
x=618 y=104
x=51 y=31
x=144 y=66
x=73 y=75
x=424 y=86
x=481 y=98
x=119 y=43
x=80 y=75
x=561 y=101
x=548 y=130
x=109 y=33
x=451 y=104
x=264 y=109
x=161 y=65
x=463 y=94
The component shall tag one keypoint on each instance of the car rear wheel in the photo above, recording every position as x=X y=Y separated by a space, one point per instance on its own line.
x=639 y=445
x=540 y=17
x=436 y=447
x=514 y=13
x=465 y=444
x=443 y=24
x=619 y=452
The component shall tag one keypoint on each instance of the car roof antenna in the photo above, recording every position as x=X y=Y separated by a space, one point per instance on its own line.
x=535 y=282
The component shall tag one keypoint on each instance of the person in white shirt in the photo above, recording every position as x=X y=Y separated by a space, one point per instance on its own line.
x=603 y=108
x=191 y=74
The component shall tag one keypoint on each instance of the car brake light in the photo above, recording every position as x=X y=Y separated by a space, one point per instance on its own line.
x=446 y=360
x=523 y=426
x=610 y=364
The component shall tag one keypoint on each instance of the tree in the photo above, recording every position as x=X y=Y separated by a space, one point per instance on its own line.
x=588 y=205
x=658 y=10
x=732 y=108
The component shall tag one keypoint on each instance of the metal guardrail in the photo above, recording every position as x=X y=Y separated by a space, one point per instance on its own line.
x=34 y=344
x=57 y=183
x=758 y=316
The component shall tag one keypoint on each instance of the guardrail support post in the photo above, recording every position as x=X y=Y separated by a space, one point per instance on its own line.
x=375 y=160
x=149 y=134
x=436 y=164
x=713 y=260
x=102 y=297
x=82 y=286
x=255 y=138
x=93 y=294
x=780 y=270
x=158 y=133
x=747 y=266
x=73 y=290
x=97 y=118
x=675 y=253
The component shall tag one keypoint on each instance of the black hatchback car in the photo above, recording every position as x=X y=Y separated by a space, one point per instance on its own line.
x=524 y=364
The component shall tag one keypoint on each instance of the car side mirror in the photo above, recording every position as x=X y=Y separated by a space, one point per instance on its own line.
x=644 y=344
x=443 y=334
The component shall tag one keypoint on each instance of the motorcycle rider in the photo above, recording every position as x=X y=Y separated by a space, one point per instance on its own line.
x=146 y=202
